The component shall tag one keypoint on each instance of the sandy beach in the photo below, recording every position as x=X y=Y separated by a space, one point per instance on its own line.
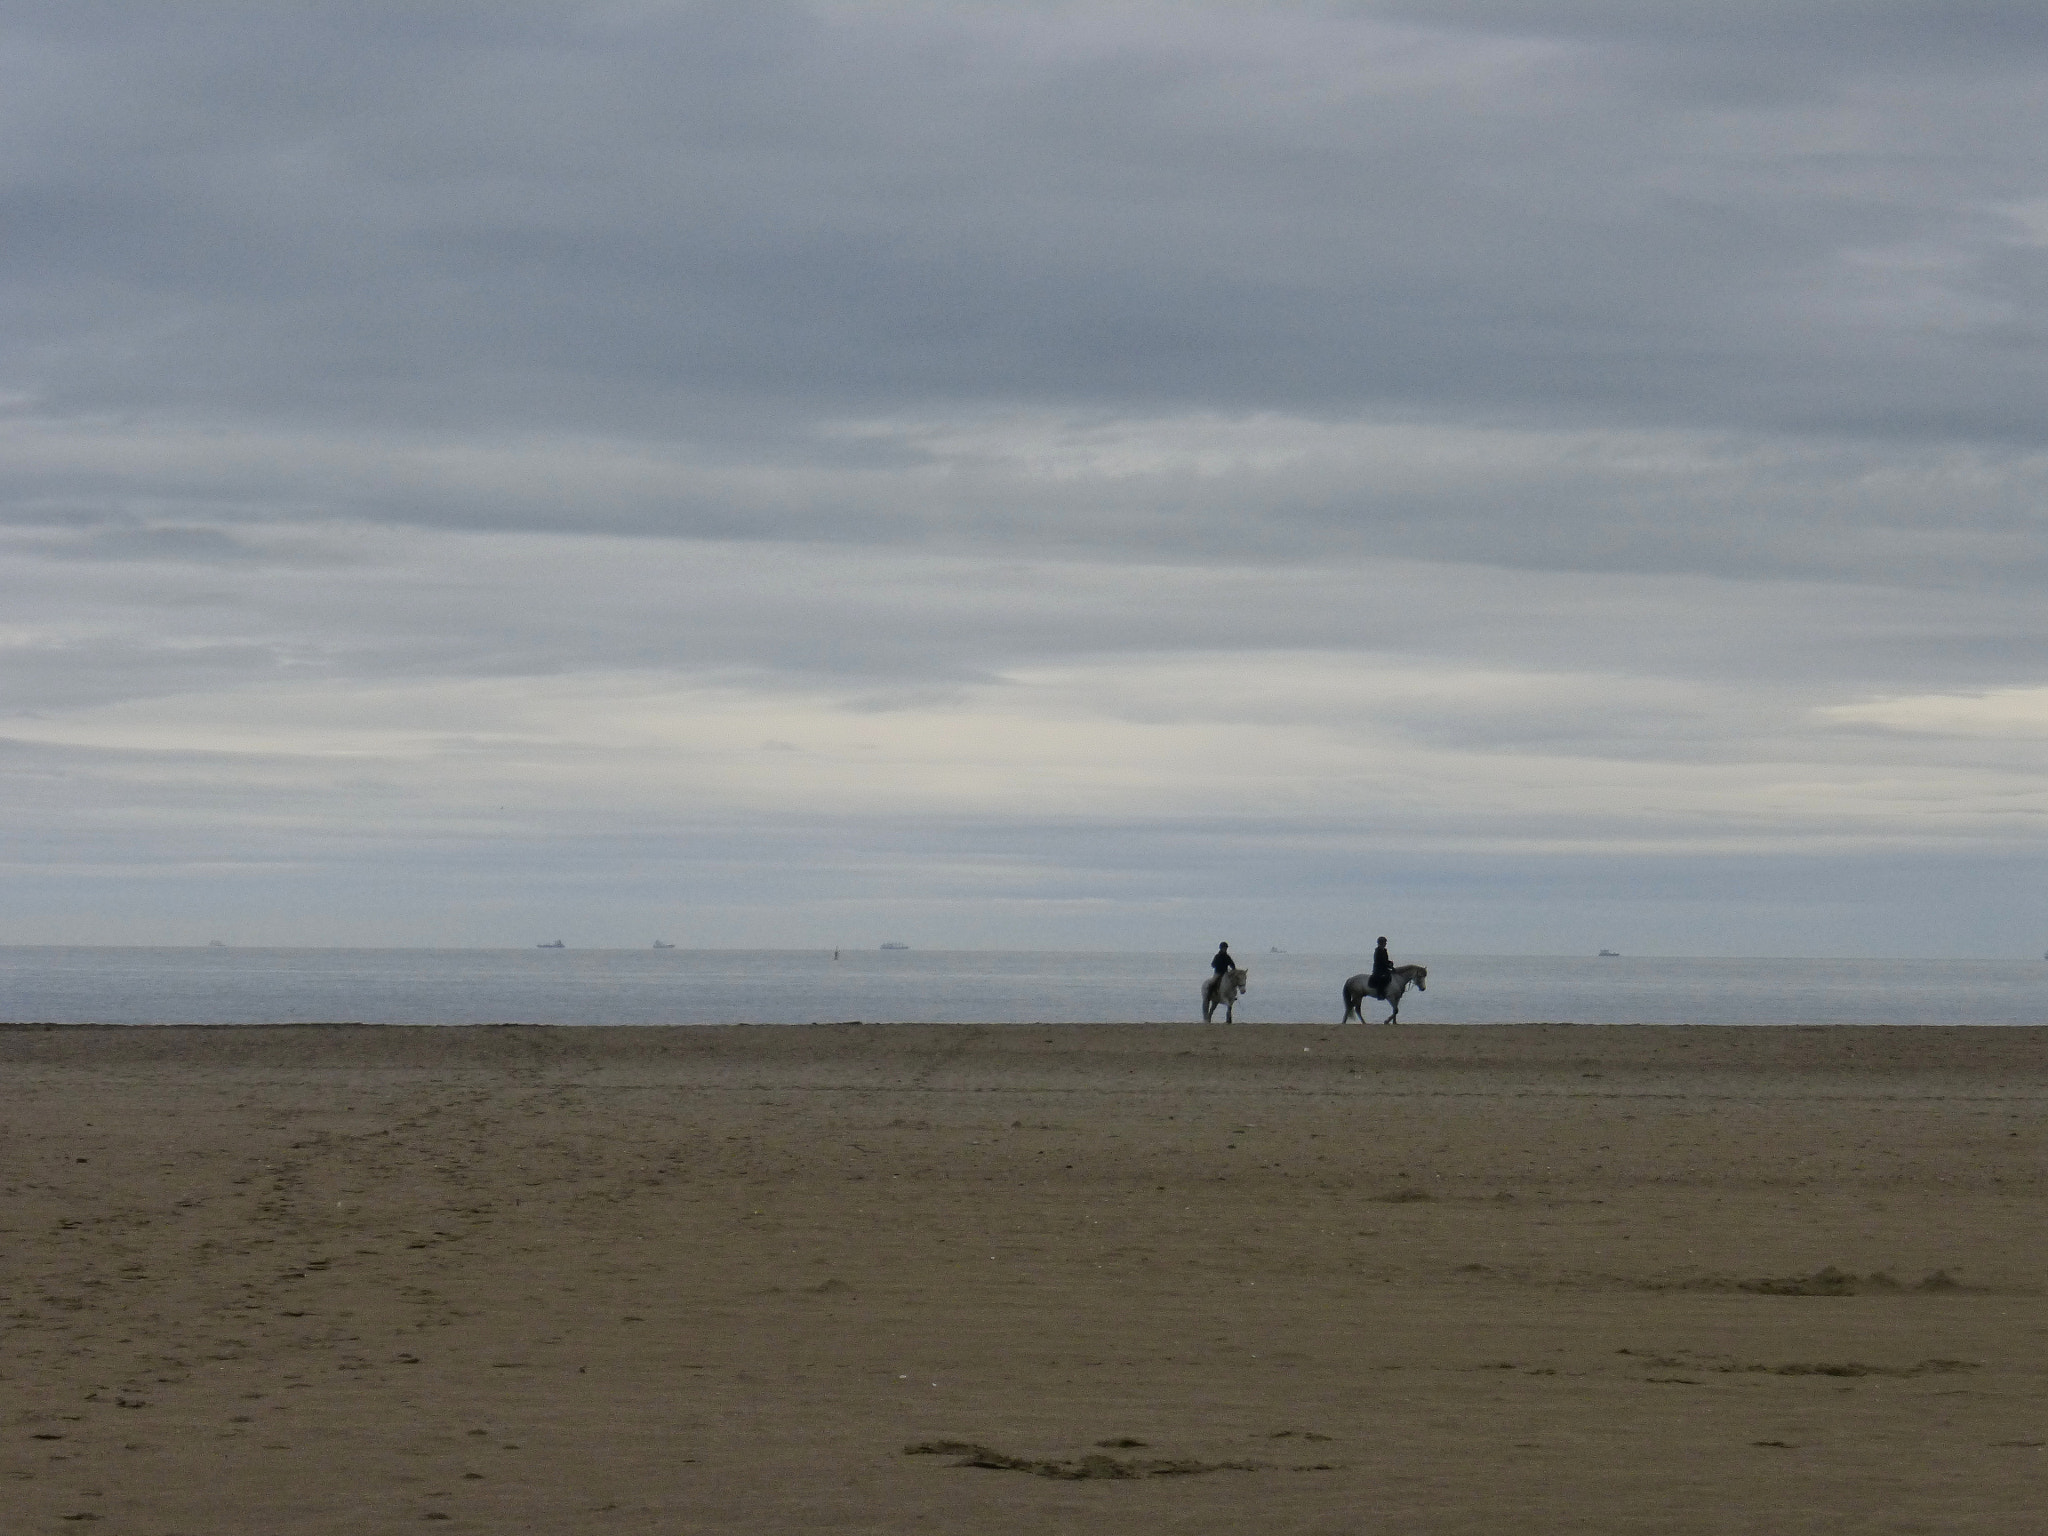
x=1023 y=1279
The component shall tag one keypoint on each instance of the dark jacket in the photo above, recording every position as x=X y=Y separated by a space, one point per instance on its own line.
x=1382 y=966
x=1222 y=962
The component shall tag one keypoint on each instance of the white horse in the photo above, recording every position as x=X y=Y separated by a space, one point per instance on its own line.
x=1222 y=991
x=1359 y=988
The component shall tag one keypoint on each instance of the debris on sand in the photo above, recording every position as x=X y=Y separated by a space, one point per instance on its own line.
x=1082 y=1469
x=1729 y=1365
x=1822 y=1282
x=1852 y=1368
x=1829 y=1281
x=1835 y=1282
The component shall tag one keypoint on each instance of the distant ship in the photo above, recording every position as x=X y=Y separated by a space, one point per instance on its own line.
x=553 y=944
x=895 y=946
x=1276 y=950
x=215 y=944
x=1610 y=954
x=659 y=945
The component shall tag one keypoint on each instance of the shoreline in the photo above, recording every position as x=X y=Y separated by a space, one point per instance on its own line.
x=1417 y=1028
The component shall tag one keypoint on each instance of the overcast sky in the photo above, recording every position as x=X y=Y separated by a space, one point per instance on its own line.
x=1518 y=477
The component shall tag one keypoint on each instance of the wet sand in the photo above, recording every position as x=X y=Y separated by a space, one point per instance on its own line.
x=1150 y=1278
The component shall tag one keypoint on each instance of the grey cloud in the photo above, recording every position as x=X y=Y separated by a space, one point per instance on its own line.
x=463 y=605
x=796 y=881
x=1839 y=37
x=199 y=545
x=403 y=403
x=578 y=218
x=82 y=671
x=1279 y=491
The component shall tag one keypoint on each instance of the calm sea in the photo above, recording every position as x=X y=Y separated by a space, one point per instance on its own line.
x=678 y=986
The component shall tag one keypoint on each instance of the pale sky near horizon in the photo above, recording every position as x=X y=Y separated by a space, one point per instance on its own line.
x=1516 y=477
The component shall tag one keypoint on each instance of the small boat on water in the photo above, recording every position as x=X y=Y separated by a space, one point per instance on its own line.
x=1610 y=954
x=659 y=945
x=895 y=946
x=552 y=944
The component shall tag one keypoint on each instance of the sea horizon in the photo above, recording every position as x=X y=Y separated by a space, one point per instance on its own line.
x=230 y=984
x=1203 y=951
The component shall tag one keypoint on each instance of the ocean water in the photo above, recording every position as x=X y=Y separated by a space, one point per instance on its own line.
x=679 y=986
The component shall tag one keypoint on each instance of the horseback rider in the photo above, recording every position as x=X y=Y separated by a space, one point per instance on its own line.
x=1382 y=970
x=1222 y=963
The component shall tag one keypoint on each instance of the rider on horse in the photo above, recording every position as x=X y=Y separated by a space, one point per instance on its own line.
x=1382 y=970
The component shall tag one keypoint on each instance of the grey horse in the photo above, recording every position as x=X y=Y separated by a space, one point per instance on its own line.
x=1222 y=991
x=1358 y=989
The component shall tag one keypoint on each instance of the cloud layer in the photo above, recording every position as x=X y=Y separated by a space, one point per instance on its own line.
x=1542 y=475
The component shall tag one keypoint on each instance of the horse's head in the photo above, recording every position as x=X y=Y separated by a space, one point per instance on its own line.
x=1421 y=978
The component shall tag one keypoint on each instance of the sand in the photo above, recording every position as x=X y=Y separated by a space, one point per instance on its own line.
x=1023 y=1279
